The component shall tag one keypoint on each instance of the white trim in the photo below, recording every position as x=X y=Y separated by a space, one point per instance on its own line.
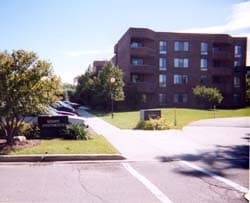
x=150 y=186
x=219 y=178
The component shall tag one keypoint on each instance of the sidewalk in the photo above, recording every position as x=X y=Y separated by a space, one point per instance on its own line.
x=142 y=145
x=194 y=139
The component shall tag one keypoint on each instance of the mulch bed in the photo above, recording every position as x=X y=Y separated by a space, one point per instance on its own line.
x=4 y=148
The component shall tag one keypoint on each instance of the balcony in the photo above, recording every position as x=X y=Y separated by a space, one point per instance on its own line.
x=142 y=69
x=142 y=51
x=142 y=47
x=225 y=55
x=144 y=87
x=222 y=50
x=223 y=70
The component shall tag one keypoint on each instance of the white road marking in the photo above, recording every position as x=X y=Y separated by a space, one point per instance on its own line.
x=219 y=178
x=150 y=186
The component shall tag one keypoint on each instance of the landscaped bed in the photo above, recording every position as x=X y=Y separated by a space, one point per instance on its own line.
x=96 y=145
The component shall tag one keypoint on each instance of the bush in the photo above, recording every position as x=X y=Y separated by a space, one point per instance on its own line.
x=29 y=130
x=76 y=132
x=153 y=124
x=207 y=96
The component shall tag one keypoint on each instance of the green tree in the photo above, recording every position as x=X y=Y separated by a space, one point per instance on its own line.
x=85 y=88
x=207 y=96
x=96 y=89
x=68 y=90
x=27 y=86
x=111 y=72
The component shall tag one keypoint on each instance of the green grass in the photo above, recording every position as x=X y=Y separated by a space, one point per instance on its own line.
x=96 y=145
x=129 y=120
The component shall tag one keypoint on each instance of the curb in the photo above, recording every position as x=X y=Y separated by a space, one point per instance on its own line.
x=60 y=157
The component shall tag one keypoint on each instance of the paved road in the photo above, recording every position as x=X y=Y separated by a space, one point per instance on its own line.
x=196 y=164
x=111 y=182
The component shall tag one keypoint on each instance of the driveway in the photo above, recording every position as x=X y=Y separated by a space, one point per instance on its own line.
x=195 y=138
x=213 y=145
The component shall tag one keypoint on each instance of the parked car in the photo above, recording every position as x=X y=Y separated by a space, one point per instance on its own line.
x=73 y=104
x=54 y=111
x=72 y=118
x=61 y=106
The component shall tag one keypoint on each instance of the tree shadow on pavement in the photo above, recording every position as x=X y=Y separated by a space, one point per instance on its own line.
x=217 y=162
x=247 y=137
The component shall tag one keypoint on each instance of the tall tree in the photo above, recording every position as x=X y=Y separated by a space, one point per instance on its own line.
x=27 y=85
x=96 y=89
x=111 y=79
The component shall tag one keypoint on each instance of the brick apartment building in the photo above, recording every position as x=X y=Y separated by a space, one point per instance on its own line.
x=161 y=68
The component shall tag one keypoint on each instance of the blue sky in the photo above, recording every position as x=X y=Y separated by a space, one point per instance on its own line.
x=72 y=33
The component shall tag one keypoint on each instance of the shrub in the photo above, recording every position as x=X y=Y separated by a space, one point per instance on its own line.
x=29 y=130
x=153 y=124
x=207 y=96
x=76 y=132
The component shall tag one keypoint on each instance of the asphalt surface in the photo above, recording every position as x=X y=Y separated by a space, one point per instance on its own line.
x=201 y=163
x=110 y=182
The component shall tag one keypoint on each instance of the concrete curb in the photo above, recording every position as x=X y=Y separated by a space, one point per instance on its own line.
x=60 y=157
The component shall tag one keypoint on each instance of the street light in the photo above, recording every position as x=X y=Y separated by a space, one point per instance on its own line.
x=112 y=81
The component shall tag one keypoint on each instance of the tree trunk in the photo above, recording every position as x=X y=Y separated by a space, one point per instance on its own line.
x=10 y=136
x=10 y=140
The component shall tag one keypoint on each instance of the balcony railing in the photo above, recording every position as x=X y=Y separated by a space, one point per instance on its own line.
x=142 y=51
x=217 y=54
x=142 y=68
x=145 y=87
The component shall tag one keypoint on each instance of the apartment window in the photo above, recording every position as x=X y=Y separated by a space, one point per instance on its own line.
x=136 y=61
x=180 y=79
x=162 y=80
x=204 y=48
x=236 y=81
x=162 y=99
x=237 y=63
x=203 y=80
x=163 y=47
x=180 y=98
x=181 y=62
x=203 y=64
x=136 y=78
x=136 y=44
x=162 y=63
x=143 y=98
x=181 y=46
x=237 y=51
x=236 y=98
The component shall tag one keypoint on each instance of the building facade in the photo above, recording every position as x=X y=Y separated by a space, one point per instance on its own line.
x=162 y=68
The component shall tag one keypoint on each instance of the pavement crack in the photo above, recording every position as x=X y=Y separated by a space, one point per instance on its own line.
x=222 y=194
x=85 y=189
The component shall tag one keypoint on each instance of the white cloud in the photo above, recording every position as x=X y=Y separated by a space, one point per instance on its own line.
x=89 y=53
x=240 y=17
x=237 y=20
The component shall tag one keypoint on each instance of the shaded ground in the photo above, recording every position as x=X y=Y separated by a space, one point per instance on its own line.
x=232 y=157
x=229 y=162
x=5 y=149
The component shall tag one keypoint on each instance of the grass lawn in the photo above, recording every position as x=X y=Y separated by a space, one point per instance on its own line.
x=128 y=120
x=96 y=145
